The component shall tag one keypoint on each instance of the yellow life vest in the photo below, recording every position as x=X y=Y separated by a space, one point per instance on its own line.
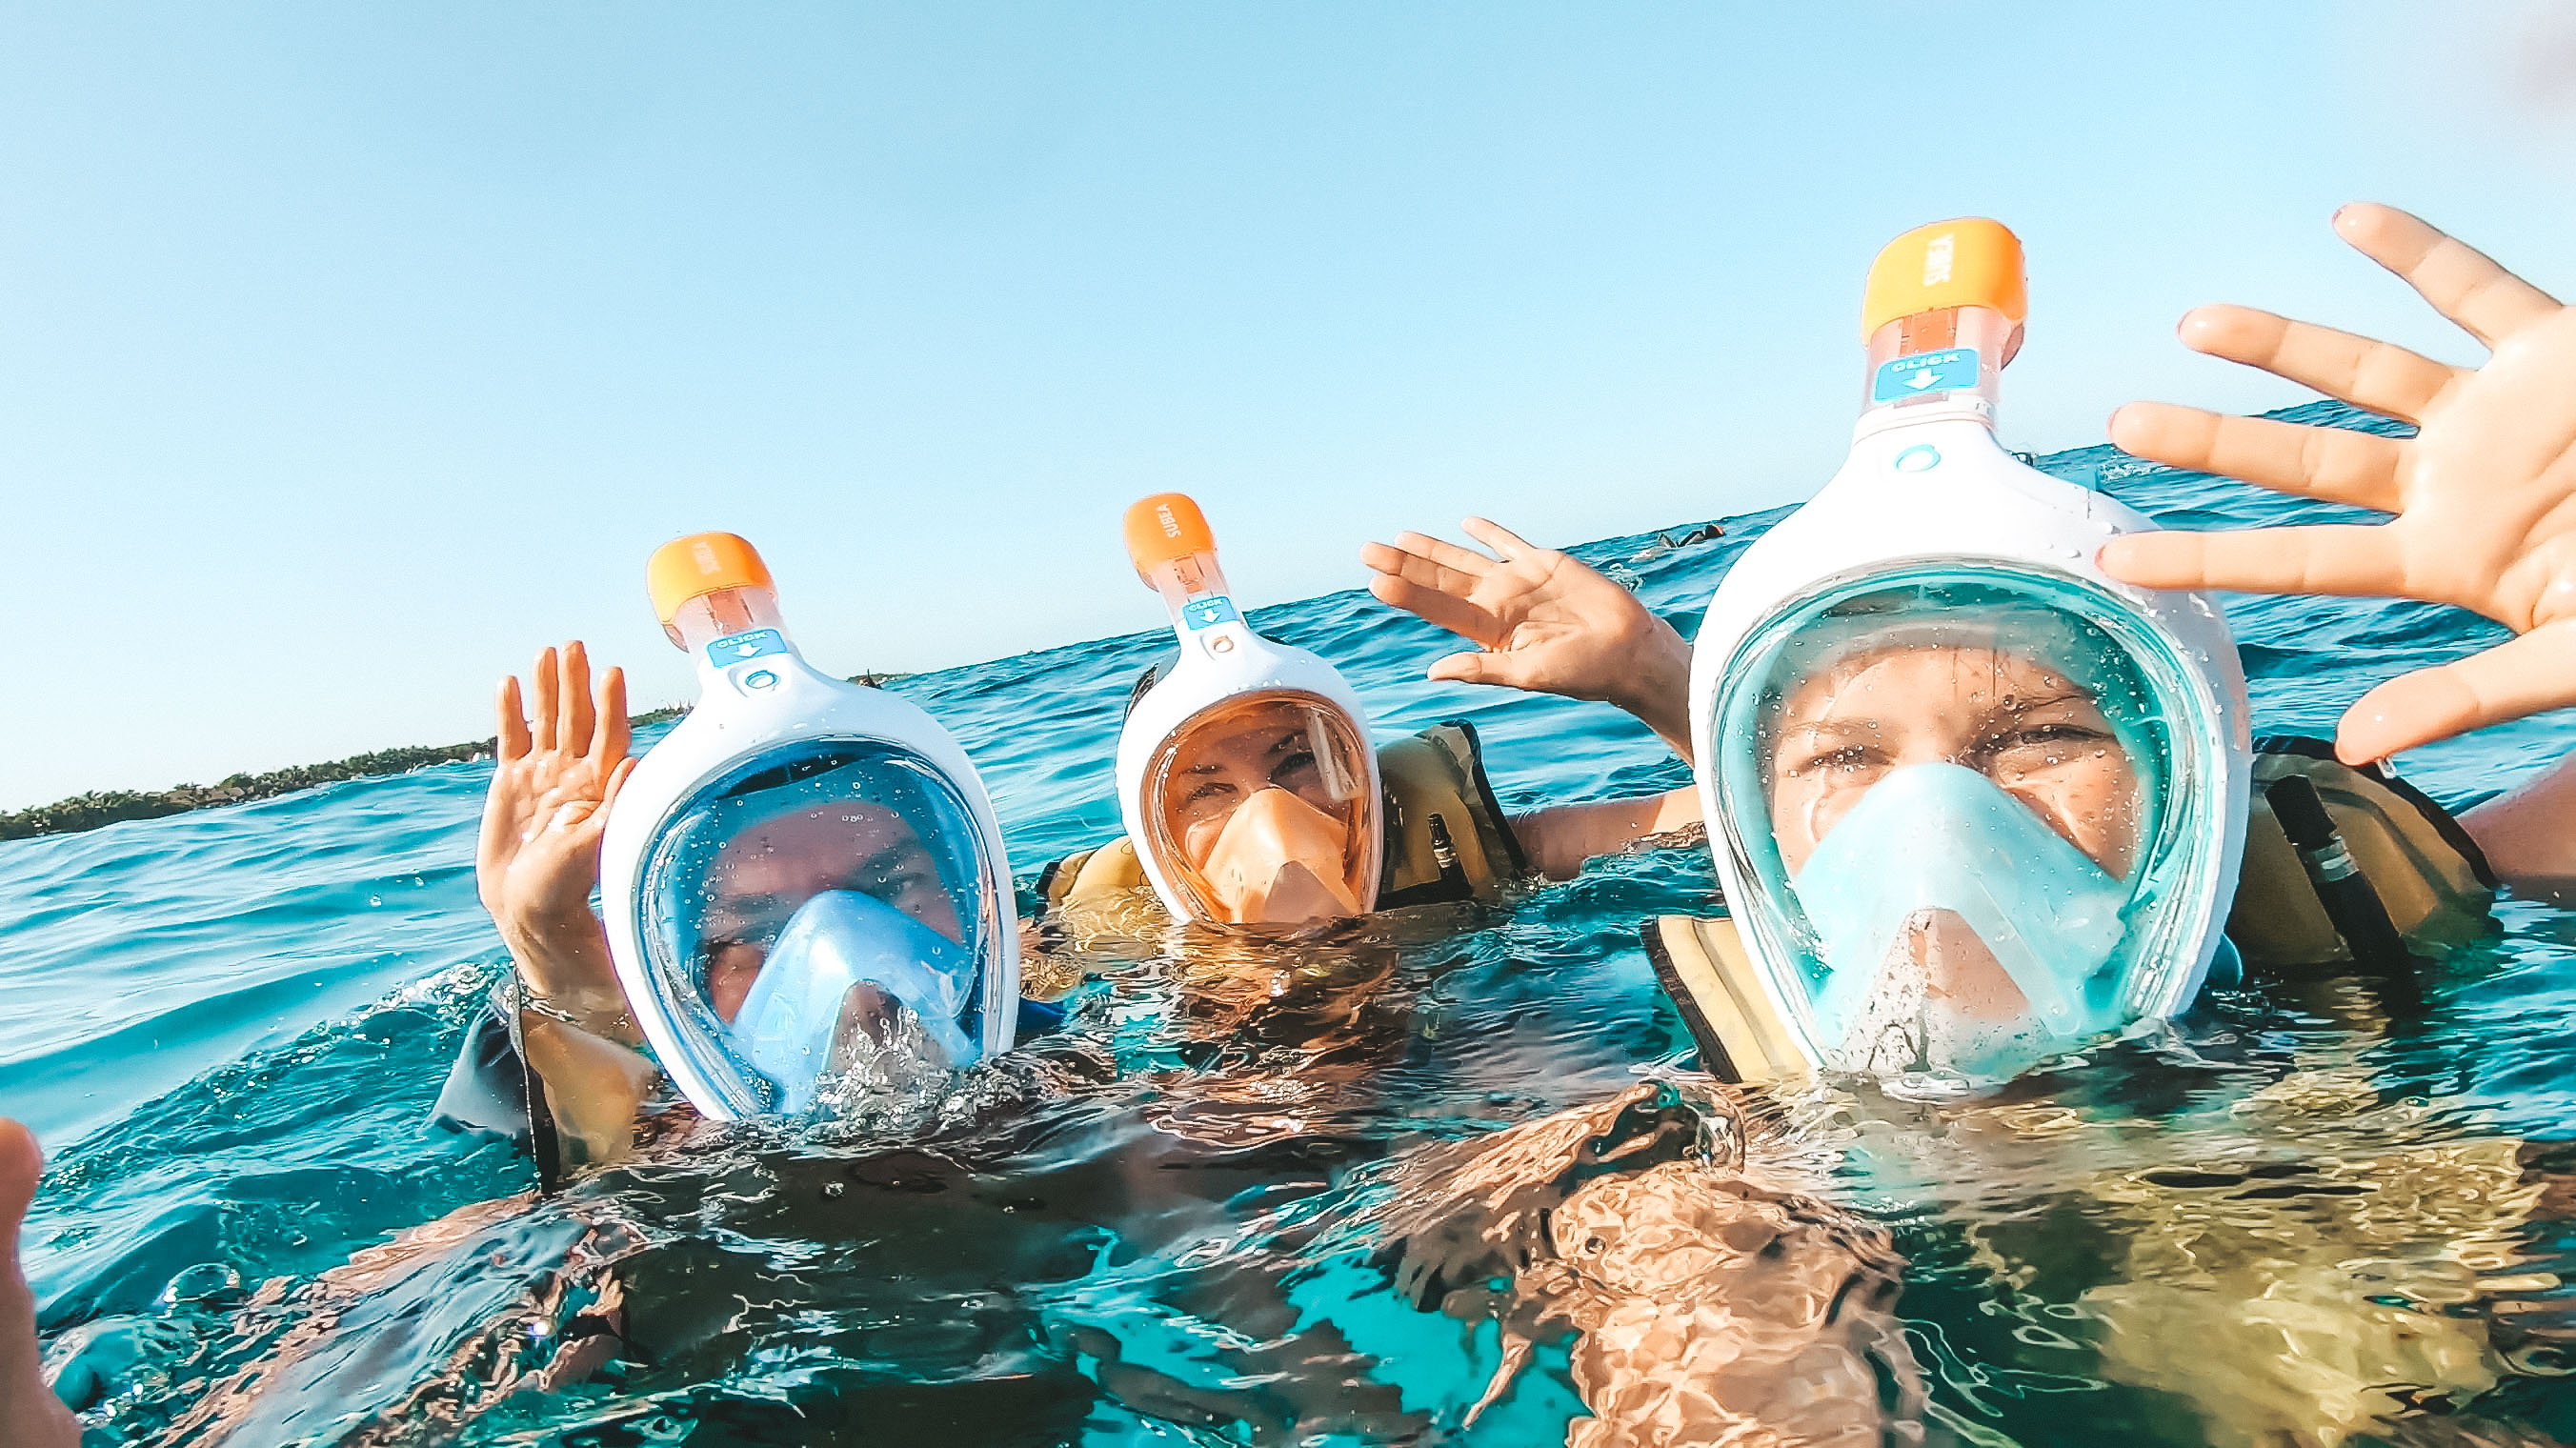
x=1446 y=839
x=2427 y=873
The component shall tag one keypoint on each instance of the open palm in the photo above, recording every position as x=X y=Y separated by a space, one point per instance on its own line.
x=2483 y=496
x=554 y=777
x=1541 y=620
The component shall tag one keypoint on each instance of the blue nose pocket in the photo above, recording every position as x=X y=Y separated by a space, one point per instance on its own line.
x=835 y=942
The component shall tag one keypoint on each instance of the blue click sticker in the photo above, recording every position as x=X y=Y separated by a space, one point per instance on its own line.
x=1925 y=372
x=1208 y=612
x=734 y=648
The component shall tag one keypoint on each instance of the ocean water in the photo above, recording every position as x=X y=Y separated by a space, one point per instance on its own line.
x=1451 y=1182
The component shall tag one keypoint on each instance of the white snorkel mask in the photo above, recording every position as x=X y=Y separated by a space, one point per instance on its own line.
x=1973 y=803
x=1245 y=775
x=802 y=871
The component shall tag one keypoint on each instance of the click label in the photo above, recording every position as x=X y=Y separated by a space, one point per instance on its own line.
x=1953 y=370
x=734 y=648
x=1208 y=612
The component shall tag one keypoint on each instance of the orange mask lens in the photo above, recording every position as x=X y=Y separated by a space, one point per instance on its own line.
x=1258 y=811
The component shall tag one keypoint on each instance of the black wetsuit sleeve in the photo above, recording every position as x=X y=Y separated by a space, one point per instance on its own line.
x=486 y=1092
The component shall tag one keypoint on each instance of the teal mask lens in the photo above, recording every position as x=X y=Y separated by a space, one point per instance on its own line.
x=1928 y=737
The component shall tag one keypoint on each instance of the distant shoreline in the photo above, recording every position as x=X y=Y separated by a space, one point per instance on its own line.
x=106 y=807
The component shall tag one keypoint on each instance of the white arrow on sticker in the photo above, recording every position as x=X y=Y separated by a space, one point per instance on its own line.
x=1922 y=379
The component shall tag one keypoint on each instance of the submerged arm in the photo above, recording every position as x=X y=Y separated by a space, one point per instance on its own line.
x=1559 y=839
x=2526 y=834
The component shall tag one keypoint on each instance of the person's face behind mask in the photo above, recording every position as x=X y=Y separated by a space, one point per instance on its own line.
x=2039 y=737
x=1942 y=997
x=1260 y=803
x=765 y=872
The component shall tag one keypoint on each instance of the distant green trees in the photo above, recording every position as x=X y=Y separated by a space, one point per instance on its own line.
x=89 y=811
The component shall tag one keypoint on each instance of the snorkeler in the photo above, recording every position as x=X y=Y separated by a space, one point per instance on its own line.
x=1979 y=807
x=2068 y=752
x=1975 y=802
x=1253 y=796
x=1971 y=803
x=806 y=876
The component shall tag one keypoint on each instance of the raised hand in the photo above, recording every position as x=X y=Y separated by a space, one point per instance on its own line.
x=2484 y=495
x=553 y=781
x=1541 y=621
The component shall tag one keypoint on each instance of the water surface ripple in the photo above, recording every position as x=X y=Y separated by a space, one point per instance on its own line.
x=1449 y=1182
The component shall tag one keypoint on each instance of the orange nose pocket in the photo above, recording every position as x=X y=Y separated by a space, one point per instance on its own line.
x=1280 y=860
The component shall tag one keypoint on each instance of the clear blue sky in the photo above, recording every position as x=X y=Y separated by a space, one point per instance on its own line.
x=350 y=352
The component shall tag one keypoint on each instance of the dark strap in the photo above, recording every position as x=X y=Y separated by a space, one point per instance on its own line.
x=2444 y=823
x=1485 y=796
x=543 y=1142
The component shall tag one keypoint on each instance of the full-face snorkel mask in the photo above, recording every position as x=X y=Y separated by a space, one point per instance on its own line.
x=1244 y=774
x=803 y=871
x=1973 y=803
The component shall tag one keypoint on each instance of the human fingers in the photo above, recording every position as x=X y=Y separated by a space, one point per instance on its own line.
x=1445 y=553
x=510 y=739
x=616 y=781
x=1507 y=545
x=2335 y=464
x=1476 y=668
x=2378 y=376
x=1434 y=606
x=2519 y=677
x=616 y=729
x=2463 y=283
x=548 y=688
x=2327 y=558
x=502 y=802
x=22 y=1162
x=30 y=1414
x=1417 y=569
x=578 y=719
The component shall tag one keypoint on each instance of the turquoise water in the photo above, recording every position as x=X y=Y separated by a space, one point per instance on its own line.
x=1201 y=1216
